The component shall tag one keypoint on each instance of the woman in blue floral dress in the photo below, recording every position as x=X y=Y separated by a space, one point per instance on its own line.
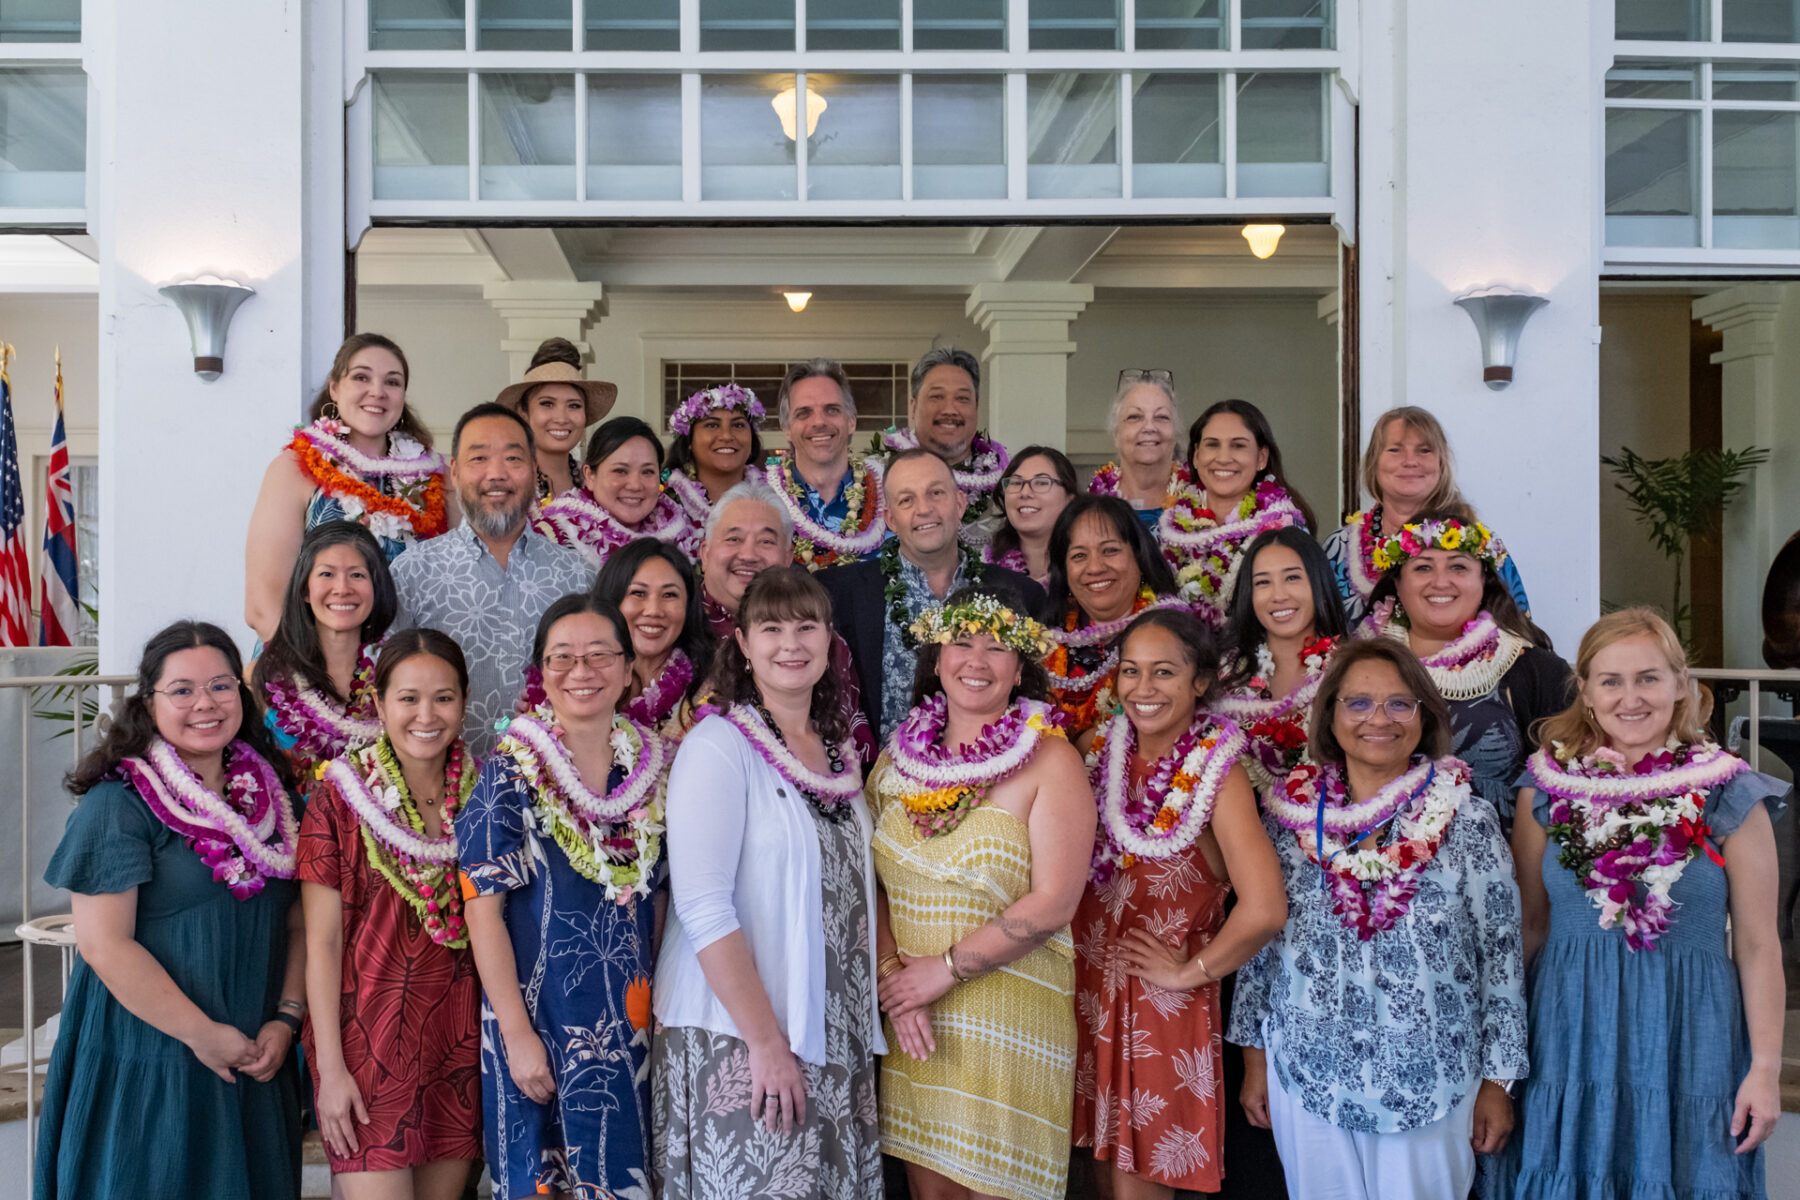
x=558 y=879
x=1385 y=1025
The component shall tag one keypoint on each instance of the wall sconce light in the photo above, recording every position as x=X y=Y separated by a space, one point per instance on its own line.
x=784 y=108
x=1263 y=238
x=207 y=303
x=1499 y=314
x=797 y=300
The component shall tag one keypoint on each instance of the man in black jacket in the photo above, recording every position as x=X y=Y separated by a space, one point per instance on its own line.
x=873 y=603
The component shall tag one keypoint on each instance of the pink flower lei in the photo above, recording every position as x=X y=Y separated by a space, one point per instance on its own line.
x=692 y=497
x=939 y=784
x=988 y=461
x=1372 y=888
x=322 y=728
x=575 y=519
x=1629 y=836
x=832 y=794
x=1106 y=481
x=1012 y=560
x=1363 y=572
x=1208 y=554
x=1174 y=806
x=247 y=836
x=1276 y=726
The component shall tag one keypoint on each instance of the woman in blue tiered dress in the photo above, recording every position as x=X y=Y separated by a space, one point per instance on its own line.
x=1655 y=1043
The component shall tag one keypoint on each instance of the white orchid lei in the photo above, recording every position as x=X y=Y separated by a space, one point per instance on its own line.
x=612 y=839
x=575 y=519
x=863 y=527
x=940 y=785
x=1471 y=664
x=1173 y=808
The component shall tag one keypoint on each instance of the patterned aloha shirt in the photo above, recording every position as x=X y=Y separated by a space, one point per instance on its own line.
x=451 y=583
x=1390 y=1034
x=897 y=662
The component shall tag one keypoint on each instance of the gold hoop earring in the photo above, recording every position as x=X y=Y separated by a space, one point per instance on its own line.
x=329 y=410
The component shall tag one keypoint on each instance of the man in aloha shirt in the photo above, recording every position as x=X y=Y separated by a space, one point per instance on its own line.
x=818 y=414
x=941 y=411
x=487 y=582
x=748 y=531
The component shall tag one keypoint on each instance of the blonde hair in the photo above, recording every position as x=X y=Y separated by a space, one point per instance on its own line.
x=1446 y=497
x=1575 y=728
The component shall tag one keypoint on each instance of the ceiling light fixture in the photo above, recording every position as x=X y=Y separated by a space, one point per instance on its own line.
x=783 y=104
x=797 y=300
x=1263 y=238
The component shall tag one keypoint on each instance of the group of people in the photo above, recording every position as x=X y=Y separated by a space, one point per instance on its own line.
x=692 y=822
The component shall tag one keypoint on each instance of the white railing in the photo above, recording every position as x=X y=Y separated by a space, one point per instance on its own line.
x=1753 y=686
x=40 y=705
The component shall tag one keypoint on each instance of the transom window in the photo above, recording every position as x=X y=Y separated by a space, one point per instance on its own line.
x=878 y=387
x=43 y=114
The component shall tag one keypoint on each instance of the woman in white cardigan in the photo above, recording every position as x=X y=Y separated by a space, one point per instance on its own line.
x=763 y=1071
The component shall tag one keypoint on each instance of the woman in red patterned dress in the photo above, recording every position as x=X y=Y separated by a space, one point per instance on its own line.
x=393 y=1039
x=1179 y=830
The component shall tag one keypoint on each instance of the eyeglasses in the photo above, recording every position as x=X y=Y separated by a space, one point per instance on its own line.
x=185 y=693
x=1400 y=710
x=599 y=660
x=1146 y=375
x=1037 y=485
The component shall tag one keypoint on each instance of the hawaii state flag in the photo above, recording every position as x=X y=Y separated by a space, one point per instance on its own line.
x=15 y=565
x=57 y=585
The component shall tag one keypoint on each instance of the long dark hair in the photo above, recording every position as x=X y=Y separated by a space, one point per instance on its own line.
x=1124 y=520
x=681 y=448
x=1006 y=538
x=416 y=643
x=133 y=727
x=409 y=423
x=1263 y=434
x=614 y=433
x=621 y=566
x=1034 y=680
x=1496 y=597
x=294 y=649
x=1244 y=632
x=1197 y=643
x=787 y=593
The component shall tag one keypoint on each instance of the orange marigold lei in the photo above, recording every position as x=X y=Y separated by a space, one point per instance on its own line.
x=419 y=502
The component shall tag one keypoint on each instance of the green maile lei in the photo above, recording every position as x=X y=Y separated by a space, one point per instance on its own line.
x=972 y=569
x=431 y=891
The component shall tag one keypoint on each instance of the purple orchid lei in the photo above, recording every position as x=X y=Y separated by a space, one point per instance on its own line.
x=246 y=837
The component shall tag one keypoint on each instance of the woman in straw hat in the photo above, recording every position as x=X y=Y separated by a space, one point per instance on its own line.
x=559 y=405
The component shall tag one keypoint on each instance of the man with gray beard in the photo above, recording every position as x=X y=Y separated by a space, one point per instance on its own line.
x=488 y=581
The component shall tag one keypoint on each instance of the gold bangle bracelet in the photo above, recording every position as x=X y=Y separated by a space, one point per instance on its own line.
x=1206 y=975
x=888 y=967
x=950 y=962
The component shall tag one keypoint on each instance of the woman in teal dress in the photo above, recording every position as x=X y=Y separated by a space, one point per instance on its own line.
x=1655 y=1044
x=173 y=1073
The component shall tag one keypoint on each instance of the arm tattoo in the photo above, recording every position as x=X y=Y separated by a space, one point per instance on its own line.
x=1020 y=932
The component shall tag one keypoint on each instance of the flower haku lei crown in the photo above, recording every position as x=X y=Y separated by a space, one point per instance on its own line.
x=399 y=498
x=940 y=785
x=421 y=869
x=247 y=836
x=945 y=623
x=1629 y=835
x=1474 y=538
x=1173 y=808
x=726 y=395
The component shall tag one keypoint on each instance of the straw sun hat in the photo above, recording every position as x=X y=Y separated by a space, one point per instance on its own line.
x=558 y=361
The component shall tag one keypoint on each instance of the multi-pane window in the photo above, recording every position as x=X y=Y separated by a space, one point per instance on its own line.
x=40 y=20
x=846 y=103
x=879 y=388
x=1703 y=145
x=43 y=113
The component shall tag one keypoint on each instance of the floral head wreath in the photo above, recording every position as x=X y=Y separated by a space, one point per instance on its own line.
x=1412 y=540
x=728 y=395
x=944 y=623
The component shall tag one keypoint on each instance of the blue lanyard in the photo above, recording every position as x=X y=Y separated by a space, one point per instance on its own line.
x=1319 y=827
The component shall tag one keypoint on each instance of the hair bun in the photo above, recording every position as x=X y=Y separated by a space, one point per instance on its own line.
x=553 y=350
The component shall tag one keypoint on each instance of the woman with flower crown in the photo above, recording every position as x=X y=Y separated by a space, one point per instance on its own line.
x=173 y=1073
x=1179 y=834
x=1385 y=1026
x=394 y=1036
x=764 y=1067
x=317 y=674
x=1104 y=570
x=984 y=825
x=364 y=456
x=1240 y=490
x=1285 y=623
x=1655 y=1037
x=1442 y=594
x=558 y=402
x=658 y=593
x=1407 y=470
x=718 y=444
x=1034 y=489
x=619 y=497
x=560 y=848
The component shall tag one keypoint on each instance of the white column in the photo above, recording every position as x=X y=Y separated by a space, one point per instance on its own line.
x=1481 y=164
x=1759 y=409
x=203 y=160
x=1026 y=360
x=535 y=309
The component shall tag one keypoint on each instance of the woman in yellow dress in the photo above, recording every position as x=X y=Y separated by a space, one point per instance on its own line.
x=984 y=828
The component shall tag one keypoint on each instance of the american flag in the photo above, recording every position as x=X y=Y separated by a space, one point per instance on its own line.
x=57 y=582
x=15 y=567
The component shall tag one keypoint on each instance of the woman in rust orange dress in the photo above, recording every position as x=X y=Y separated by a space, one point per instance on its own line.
x=1178 y=831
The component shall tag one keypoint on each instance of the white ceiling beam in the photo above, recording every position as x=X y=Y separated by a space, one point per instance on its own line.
x=529 y=254
x=1055 y=254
